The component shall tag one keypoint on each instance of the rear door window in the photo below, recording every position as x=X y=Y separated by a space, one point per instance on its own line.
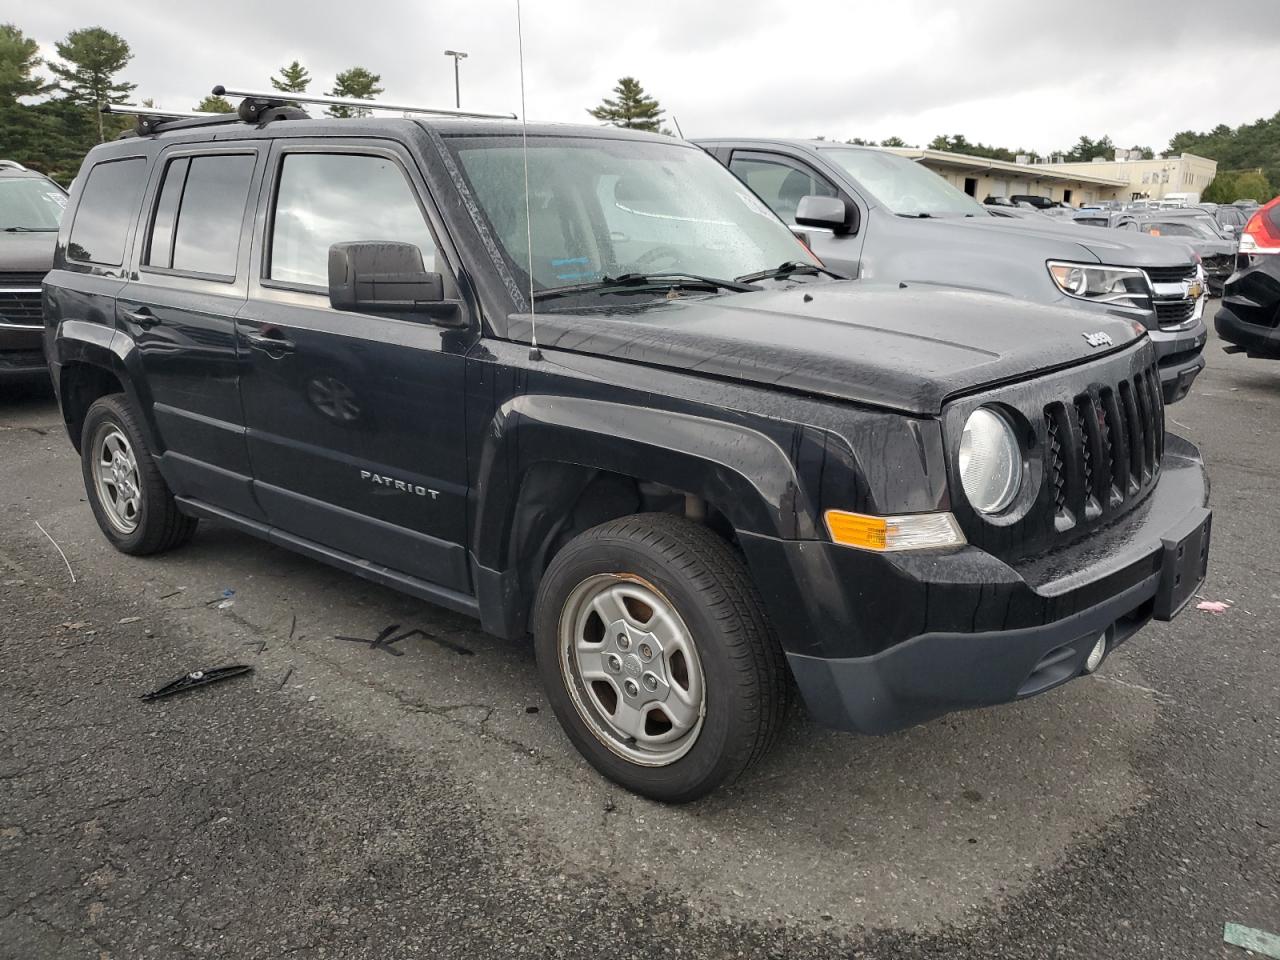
x=198 y=215
x=328 y=198
x=107 y=207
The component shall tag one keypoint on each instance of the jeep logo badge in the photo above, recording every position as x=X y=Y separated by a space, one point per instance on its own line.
x=1098 y=339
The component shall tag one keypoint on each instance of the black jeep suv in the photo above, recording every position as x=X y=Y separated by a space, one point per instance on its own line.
x=625 y=412
x=31 y=206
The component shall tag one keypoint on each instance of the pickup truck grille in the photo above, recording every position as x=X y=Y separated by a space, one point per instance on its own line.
x=20 y=299
x=1171 y=313
x=1171 y=274
x=1172 y=306
x=1103 y=448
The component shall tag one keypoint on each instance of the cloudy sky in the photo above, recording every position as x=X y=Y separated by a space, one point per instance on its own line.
x=1012 y=72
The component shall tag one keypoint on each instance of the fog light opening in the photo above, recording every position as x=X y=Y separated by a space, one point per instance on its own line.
x=1094 y=660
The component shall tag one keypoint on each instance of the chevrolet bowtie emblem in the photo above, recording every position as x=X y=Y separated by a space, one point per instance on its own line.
x=1098 y=339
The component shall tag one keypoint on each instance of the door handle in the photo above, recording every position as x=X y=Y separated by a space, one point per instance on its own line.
x=272 y=343
x=143 y=317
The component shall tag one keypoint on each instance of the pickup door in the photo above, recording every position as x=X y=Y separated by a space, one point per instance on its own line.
x=354 y=421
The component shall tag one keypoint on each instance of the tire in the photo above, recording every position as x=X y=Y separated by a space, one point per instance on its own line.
x=154 y=524
x=679 y=575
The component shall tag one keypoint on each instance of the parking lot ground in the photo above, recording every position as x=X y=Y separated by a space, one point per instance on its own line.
x=417 y=798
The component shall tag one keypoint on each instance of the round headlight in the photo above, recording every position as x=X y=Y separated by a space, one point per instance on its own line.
x=990 y=461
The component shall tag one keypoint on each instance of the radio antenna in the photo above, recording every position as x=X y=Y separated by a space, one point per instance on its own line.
x=534 y=352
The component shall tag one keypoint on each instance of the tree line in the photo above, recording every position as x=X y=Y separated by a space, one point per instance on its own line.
x=54 y=133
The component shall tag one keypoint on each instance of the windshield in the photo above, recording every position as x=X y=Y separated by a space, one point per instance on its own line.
x=30 y=203
x=904 y=186
x=608 y=208
x=1180 y=228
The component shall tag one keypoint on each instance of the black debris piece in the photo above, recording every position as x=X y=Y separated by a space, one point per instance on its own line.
x=198 y=678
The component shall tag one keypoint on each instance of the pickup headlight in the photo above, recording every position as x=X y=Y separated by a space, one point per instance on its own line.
x=1122 y=285
x=990 y=461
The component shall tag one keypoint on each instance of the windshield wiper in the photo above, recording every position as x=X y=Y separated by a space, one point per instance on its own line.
x=627 y=282
x=30 y=229
x=918 y=216
x=791 y=268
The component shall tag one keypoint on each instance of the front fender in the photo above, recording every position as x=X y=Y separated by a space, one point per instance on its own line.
x=743 y=473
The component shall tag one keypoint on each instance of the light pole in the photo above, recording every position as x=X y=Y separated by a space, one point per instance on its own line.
x=457 y=93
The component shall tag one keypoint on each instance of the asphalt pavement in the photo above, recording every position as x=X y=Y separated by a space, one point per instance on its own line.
x=415 y=797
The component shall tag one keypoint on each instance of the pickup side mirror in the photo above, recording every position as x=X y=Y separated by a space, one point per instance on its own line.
x=387 y=277
x=830 y=213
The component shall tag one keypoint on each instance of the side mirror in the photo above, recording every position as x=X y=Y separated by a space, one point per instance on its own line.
x=387 y=277
x=829 y=213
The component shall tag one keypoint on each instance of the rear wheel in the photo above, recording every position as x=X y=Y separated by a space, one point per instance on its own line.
x=129 y=498
x=654 y=650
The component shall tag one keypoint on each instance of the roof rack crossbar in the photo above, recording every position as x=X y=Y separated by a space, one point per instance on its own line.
x=277 y=98
x=128 y=109
x=149 y=120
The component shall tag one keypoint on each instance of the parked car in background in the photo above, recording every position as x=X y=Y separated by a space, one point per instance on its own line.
x=1230 y=218
x=1249 y=317
x=1094 y=217
x=872 y=214
x=1040 y=203
x=31 y=207
x=1194 y=228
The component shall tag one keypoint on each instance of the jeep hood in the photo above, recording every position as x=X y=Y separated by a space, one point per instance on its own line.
x=907 y=349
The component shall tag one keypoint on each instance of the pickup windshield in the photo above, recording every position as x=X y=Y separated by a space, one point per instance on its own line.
x=904 y=186
x=604 y=208
x=30 y=204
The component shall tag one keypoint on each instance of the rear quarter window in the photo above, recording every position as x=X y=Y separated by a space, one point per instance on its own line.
x=107 y=207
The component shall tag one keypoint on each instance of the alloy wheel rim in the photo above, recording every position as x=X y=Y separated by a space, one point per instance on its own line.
x=115 y=476
x=632 y=670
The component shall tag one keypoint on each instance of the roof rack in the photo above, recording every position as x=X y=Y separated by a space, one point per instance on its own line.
x=11 y=165
x=255 y=101
x=150 y=119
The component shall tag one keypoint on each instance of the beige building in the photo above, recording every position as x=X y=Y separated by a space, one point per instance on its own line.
x=1148 y=179
x=982 y=178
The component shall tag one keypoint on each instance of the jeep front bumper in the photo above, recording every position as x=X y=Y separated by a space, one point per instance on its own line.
x=878 y=642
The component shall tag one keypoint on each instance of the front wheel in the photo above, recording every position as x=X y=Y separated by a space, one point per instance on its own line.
x=655 y=653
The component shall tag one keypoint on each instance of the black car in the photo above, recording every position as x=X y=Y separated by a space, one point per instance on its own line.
x=624 y=411
x=886 y=217
x=1249 y=318
x=31 y=207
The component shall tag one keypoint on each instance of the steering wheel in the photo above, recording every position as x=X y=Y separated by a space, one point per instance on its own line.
x=650 y=258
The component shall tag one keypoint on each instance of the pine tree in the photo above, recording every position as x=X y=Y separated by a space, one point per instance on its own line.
x=214 y=104
x=292 y=78
x=19 y=60
x=94 y=56
x=632 y=108
x=356 y=83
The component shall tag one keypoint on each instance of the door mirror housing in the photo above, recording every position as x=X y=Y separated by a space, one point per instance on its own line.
x=387 y=277
x=829 y=213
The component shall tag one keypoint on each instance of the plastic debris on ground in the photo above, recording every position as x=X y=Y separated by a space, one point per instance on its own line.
x=1214 y=606
x=198 y=678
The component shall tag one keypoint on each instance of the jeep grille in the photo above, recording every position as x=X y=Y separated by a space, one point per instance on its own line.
x=1103 y=448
